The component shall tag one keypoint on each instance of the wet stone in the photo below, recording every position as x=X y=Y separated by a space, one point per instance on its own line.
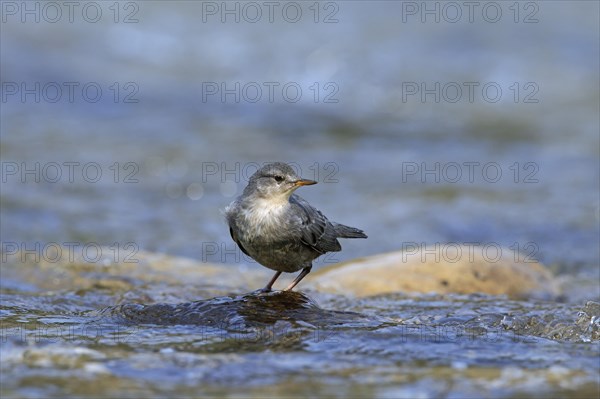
x=250 y=310
x=426 y=271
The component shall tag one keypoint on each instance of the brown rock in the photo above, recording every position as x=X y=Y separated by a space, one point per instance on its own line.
x=450 y=268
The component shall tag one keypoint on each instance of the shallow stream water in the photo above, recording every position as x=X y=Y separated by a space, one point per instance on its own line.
x=86 y=329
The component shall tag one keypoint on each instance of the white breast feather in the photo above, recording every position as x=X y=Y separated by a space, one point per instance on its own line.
x=263 y=216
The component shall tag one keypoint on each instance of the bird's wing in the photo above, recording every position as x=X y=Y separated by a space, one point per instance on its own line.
x=237 y=241
x=315 y=230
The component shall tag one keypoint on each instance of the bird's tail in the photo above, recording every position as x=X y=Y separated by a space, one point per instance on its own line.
x=348 y=232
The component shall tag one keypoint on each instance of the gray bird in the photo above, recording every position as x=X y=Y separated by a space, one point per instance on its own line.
x=279 y=229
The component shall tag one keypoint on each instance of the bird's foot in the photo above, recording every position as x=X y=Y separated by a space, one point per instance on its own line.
x=302 y=274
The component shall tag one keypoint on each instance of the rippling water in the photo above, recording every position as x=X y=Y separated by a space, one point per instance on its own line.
x=155 y=341
x=522 y=172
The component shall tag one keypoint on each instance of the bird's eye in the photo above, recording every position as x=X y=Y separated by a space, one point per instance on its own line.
x=278 y=178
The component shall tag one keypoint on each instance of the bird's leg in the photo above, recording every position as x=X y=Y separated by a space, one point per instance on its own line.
x=302 y=274
x=270 y=284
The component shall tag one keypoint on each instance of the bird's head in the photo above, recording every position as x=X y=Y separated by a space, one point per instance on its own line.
x=275 y=181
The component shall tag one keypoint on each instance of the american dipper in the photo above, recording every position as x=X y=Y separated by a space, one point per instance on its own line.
x=279 y=229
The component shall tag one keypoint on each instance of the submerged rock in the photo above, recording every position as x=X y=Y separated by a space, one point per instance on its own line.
x=244 y=311
x=279 y=320
x=458 y=269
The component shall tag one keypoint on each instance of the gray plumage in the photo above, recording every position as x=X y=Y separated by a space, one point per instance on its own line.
x=279 y=229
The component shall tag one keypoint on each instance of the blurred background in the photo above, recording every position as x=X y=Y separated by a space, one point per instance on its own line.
x=138 y=122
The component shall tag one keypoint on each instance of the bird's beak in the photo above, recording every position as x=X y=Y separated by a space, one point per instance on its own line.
x=304 y=182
